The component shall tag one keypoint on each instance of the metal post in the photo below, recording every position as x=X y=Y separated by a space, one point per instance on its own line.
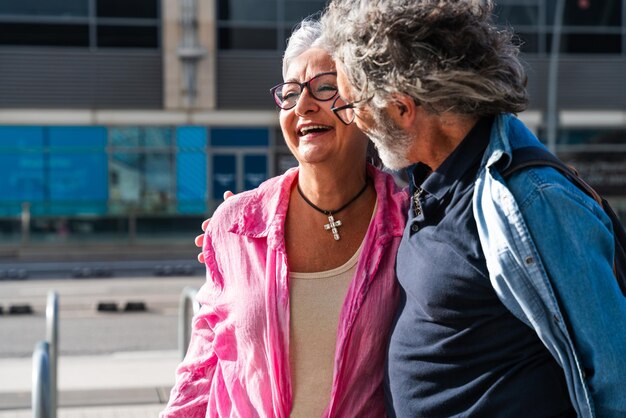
x=187 y=298
x=25 y=223
x=52 y=336
x=40 y=397
x=553 y=70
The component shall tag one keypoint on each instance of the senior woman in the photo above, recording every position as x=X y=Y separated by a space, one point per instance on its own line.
x=300 y=289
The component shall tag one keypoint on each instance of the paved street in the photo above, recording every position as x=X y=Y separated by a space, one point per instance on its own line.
x=84 y=330
x=110 y=363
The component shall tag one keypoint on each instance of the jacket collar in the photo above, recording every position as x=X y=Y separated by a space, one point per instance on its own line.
x=507 y=133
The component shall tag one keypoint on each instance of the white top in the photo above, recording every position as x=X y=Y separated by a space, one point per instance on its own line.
x=316 y=300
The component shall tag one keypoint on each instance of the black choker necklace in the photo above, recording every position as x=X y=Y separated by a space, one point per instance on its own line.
x=332 y=224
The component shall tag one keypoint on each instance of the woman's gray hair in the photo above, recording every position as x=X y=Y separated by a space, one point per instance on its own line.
x=305 y=36
x=448 y=55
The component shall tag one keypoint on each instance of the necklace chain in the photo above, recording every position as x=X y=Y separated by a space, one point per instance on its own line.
x=331 y=212
x=332 y=224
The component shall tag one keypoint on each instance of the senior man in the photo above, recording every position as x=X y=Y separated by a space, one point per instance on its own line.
x=509 y=303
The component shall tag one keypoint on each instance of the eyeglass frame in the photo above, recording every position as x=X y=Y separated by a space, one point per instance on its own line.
x=303 y=85
x=352 y=105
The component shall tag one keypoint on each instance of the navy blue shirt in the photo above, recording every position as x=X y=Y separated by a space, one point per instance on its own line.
x=455 y=349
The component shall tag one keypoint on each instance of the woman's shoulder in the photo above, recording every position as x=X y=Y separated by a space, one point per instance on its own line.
x=389 y=186
x=392 y=202
x=242 y=205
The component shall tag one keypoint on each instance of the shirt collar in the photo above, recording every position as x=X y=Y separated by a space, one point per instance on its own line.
x=464 y=156
x=262 y=212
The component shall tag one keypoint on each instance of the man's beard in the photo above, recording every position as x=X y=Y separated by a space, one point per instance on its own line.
x=392 y=143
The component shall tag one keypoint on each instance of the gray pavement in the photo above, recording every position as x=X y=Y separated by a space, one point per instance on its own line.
x=118 y=364
x=127 y=411
x=134 y=382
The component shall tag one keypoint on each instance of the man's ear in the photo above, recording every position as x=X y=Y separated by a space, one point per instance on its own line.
x=403 y=110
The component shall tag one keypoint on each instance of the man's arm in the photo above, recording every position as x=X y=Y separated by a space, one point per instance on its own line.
x=574 y=239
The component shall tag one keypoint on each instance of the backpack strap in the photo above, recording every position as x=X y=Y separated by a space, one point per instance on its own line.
x=537 y=156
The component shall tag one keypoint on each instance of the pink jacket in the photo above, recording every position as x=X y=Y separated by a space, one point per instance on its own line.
x=237 y=364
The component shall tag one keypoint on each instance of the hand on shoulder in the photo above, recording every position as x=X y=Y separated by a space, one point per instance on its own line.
x=199 y=241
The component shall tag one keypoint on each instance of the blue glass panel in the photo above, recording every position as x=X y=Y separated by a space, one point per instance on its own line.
x=125 y=137
x=144 y=178
x=255 y=170
x=78 y=183
x=21 y=137
x=141 y=136
x=23 y=178
x=241 y=137
x=224 y=175
x=10 y=208
x=78 y=136
x=191 y=137
x=157 y=137
x=79 y=176
x=191 y=184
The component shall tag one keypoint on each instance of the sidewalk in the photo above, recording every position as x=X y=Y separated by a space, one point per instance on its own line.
x=127 y=384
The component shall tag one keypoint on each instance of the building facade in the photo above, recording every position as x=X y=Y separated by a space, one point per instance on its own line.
x=126 y=121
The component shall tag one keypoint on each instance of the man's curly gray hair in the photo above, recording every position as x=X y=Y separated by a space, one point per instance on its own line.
x=448 y=55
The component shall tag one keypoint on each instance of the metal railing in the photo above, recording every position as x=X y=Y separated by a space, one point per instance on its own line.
x=45 y=355
x=187 y=300
x=40 y=397
x=52 y=335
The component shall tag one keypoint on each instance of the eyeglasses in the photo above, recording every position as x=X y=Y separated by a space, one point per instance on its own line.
x=322 y=87
x=345 y=111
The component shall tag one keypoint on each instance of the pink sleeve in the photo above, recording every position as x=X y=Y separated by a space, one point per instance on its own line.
x=194 y=376
x=190 y=394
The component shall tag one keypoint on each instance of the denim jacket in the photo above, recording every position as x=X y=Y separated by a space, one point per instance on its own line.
x=549 y=249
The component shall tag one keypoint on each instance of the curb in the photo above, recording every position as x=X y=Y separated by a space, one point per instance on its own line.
x=85 y=398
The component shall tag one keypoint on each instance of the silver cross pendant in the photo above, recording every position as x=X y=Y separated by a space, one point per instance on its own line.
x=332 y=226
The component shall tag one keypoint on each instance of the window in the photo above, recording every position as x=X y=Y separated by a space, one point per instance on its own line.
x=588 y=43
x=143 y=179
x=44 y=7
x=239 y=137
x=518 y=15
x=260 y=24
x=110 y=24
x=239 y=160
x=587 y=13
x=127 y=36
x=247 y=38
x=528 y=42
x=296 y=10
x=141 y=173
x=91 y=182
x=588 y=26
x=147 y=9
x=191 y=170
x=58 y=170
x=248 y=10
x=44 y=34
